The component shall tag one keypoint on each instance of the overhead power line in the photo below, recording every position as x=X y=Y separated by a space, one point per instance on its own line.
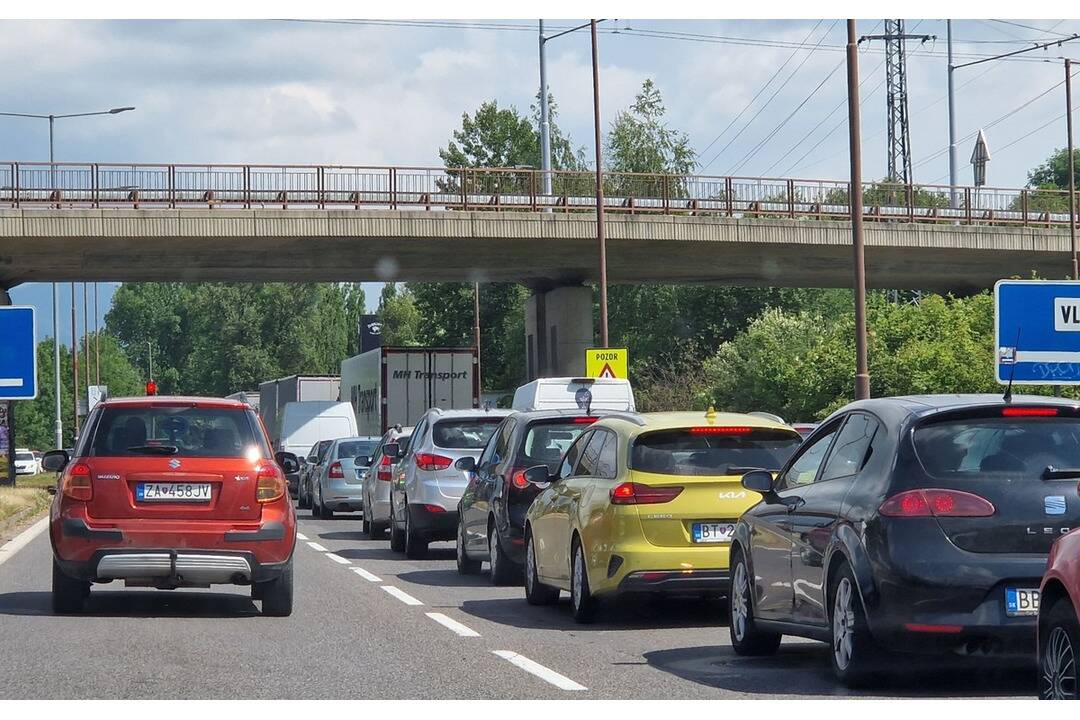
x=1027 y=27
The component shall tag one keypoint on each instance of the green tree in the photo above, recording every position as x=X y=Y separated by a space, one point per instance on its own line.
x=1050 y=183
x=639 y=140
x=399 y=316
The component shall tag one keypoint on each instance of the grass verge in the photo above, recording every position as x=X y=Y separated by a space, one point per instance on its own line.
x=27 y=498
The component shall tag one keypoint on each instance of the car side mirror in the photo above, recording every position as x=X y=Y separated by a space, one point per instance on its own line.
x=538 y=475
x=466 y=464
x=289 y=463
x=362 y=461
x=760 y=481
x=55 y=460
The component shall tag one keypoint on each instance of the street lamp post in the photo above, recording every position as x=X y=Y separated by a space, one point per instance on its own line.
x=58 y=421
x=1072 y=169
x=862 y=372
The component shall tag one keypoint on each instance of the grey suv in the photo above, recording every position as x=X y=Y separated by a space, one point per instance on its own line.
x=427 y=487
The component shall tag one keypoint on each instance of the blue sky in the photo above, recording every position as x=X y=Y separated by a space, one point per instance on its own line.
x=312 y=92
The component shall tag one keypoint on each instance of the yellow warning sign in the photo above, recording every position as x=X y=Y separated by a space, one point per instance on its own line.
x=607 y=362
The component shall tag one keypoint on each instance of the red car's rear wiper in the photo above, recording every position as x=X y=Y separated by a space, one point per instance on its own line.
x=1053 y=473
x=155 y=449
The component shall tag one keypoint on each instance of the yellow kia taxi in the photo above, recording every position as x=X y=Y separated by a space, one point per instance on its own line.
x=646 y=503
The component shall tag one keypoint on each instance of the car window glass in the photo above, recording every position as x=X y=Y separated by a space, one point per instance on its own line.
x=353 y=448
x=418 y=433
x=587 y=464
x=805 y=468
x=567 y=466
x=489 y=450
x=606 y=465
x=502 y=442
x=546 y=441
x=324 y=445
x=464 y=433
x=850 y=452
x=174 y=430
x=1021 y=447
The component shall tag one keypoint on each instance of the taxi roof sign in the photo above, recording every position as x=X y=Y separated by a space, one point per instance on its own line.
x=607 y=363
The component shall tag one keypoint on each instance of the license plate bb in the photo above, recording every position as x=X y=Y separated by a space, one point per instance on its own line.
x=1021 y=601
x=172 y=492
x=712 y=532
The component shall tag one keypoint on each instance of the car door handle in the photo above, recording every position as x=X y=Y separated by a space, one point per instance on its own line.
x=793 y=503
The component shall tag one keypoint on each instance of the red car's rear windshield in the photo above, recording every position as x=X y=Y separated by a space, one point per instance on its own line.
x=133 y=431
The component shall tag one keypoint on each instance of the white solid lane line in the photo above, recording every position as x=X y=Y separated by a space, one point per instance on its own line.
x=401 y=595
x=366 y=575
x=546 y=674
x=301 y=536
x=462 y=630
x=316 y=546
x=23 y=539
x=337 y=558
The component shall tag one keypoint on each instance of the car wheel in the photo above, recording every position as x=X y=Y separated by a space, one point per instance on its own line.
x=68 y=594
x=302 y=499
x=746 y=637
x=1059 y=653
x=536 y=593
x=416 y=545
x=316 y=511
x=277 y=594
x=503 y=569
x=853 y=655
x=581 y=597
x=465 y=564
x=397 y=536
x=365 y=526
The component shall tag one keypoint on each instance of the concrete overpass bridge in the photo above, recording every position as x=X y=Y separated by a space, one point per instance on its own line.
x=106 y=222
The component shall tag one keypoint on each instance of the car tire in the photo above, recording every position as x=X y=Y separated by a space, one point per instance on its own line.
x=746 y=637
x=277 y=594
x=302 y=500
x=365 y=526
x=853 y=655
x=1059 y=653
x=416 y=545
x=503 y=569
x=581 y=598
x=465 y=564
x=397 y=536
x=536 y=593
x=68 y=594
x=316 y=511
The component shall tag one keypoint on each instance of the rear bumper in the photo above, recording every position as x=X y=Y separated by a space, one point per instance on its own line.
x=674 y=582
x=343 y=497
x=433 y=525
x=642 y=567
x=172 y=567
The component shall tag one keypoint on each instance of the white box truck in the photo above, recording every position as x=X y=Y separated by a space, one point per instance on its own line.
x=391 y=386
x=274 y=395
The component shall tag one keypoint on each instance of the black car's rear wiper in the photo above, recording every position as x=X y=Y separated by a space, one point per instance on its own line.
x=739 y=469
x=1053 y=473
x=154 y=449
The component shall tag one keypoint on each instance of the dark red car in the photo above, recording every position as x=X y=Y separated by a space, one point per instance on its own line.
x=1059 y=619
x=171 y=492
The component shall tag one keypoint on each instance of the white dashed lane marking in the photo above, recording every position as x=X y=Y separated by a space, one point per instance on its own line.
x=544 y=673
x=316 y=546
x=462 y=630
x=337 y=558
x=366 y=575
x=401 y=595
x=301 y=536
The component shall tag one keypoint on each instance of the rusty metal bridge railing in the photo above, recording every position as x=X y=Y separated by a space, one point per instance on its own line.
x=139 y=185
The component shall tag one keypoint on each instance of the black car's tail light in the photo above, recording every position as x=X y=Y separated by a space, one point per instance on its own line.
x=935 y=502
x=637 y=494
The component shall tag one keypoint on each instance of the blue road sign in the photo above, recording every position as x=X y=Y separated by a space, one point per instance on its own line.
x=1037 y=332
x=18 y=353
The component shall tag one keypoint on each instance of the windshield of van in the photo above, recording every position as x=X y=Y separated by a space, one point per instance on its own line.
x=689 y=451
x=464 y=433
x=198 y=432
x=1023 y=446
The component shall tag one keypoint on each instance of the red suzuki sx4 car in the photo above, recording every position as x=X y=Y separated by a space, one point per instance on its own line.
x=171 y=492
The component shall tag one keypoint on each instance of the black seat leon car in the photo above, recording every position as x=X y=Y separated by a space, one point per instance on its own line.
x=909 y=524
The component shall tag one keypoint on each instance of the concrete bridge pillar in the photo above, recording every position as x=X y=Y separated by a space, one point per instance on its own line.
x=558 y=330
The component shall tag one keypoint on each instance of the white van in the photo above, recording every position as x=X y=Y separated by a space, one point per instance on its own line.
x=562 y=394
x=307 y=422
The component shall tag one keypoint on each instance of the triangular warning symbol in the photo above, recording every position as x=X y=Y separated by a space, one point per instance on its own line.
x=607 y=372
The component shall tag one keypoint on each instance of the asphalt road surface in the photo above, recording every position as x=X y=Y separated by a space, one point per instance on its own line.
x=367 y=623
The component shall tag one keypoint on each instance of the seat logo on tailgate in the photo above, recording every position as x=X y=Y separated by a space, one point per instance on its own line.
x=1054 y=504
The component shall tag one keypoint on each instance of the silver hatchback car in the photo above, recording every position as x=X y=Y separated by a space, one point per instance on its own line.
x=377 y=481
x=337 y=484
x=427 y=487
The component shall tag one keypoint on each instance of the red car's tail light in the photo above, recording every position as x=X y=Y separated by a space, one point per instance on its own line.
x=935 y=502
x=77 y=484
x=1029 y=412
x=269 y=484
x=334 y=472
x=430 y=461
x=637 y=494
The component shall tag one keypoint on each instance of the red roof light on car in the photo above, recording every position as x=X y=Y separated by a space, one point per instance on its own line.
x=585 y=420
x=1029 y=412
x=721 y=430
